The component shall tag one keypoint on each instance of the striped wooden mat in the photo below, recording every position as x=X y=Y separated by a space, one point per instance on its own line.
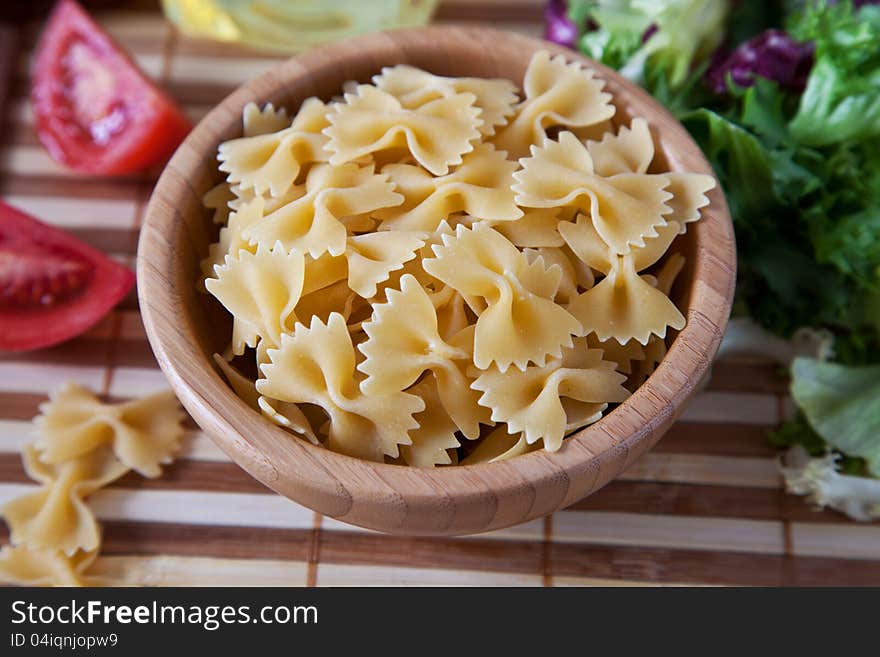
x=704 y=507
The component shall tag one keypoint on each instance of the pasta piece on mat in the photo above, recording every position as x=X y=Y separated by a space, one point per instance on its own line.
x=480 y=187
x=625 y=208
x=313 y=222
x=21 y=565
x=531 y=401
x=414 y=87
x=437 y=133
x=272 y=162
x=557 y=94
x=625 y=307
x=261 y=291
x=56 y=516
x=316 y=365
x=521 y=322
x=143 y=433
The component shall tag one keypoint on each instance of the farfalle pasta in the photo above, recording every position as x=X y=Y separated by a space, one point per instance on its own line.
x=82 y=445
x=432 y=270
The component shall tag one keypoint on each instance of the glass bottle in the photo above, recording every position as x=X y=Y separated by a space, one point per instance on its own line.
x=292 y=25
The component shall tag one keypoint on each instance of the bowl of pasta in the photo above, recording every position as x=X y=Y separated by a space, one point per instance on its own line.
x=436 y=281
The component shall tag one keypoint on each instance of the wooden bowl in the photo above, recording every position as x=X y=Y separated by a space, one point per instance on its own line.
x=185 y=327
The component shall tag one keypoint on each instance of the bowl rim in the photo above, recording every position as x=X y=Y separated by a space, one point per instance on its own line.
x=335 y=484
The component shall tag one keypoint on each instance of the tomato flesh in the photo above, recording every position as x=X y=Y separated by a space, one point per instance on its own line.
x=95 y=111
x=52 y=286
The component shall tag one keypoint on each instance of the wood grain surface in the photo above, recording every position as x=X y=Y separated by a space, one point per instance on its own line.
x=705 y=506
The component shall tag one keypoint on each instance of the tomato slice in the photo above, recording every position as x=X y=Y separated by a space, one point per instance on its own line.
x=52 y=286
x=95 y=110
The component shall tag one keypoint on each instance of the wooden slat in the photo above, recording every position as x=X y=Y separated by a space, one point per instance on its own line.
x=668 y=531
x=704 y=567
x=197 y=571
x=334 y=574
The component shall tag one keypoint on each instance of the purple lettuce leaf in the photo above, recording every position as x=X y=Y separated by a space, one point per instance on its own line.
x=772 y=55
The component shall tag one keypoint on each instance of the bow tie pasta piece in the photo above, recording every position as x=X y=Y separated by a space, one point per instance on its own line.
x=218 y=199
x=536 y=228
x=452 y=313
x=272 y=162
x=289 y=416
x=521 y=323
x=313 y=222
x=629 y=151
x=232 y=236
x=498 y=446
x=550 y=256
x=414 y=87
x=316 y=365
x=557 y=94
x=480 y=186
x=372 y=257
x=579 y=414
x=335 y=298
x=625 y=307
x=21 y=565
x=55 y=516
x=437 y=134
x=245 y=389
x=436 y=432
x=322 y=272
x=261 y=291
x=589 y=247
x=669 y=272
x=404 y=341
x=256 y=121
x=625 y=208
x=143 y=433
x=531 y=400
x=622 y=354
x=688 y=196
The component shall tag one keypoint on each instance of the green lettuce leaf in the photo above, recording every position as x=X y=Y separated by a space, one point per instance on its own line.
x=842 y=404
x=836 y=107
x=683 y=31
x=842 y=98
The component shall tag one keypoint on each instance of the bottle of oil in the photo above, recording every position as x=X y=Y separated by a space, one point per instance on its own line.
x=292 y=25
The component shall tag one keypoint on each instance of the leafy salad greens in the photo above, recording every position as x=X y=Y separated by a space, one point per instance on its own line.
x=784 y=99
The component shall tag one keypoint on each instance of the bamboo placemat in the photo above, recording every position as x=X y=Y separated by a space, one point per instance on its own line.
x=704 y=507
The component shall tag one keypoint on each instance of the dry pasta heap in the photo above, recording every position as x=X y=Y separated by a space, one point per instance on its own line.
x=82 y=445
x=429 y=257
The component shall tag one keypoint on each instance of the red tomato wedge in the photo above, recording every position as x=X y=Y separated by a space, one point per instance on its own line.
x=52 y=286
x=95 y=110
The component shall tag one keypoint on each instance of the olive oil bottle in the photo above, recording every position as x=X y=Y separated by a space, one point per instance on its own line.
x=292 y=25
